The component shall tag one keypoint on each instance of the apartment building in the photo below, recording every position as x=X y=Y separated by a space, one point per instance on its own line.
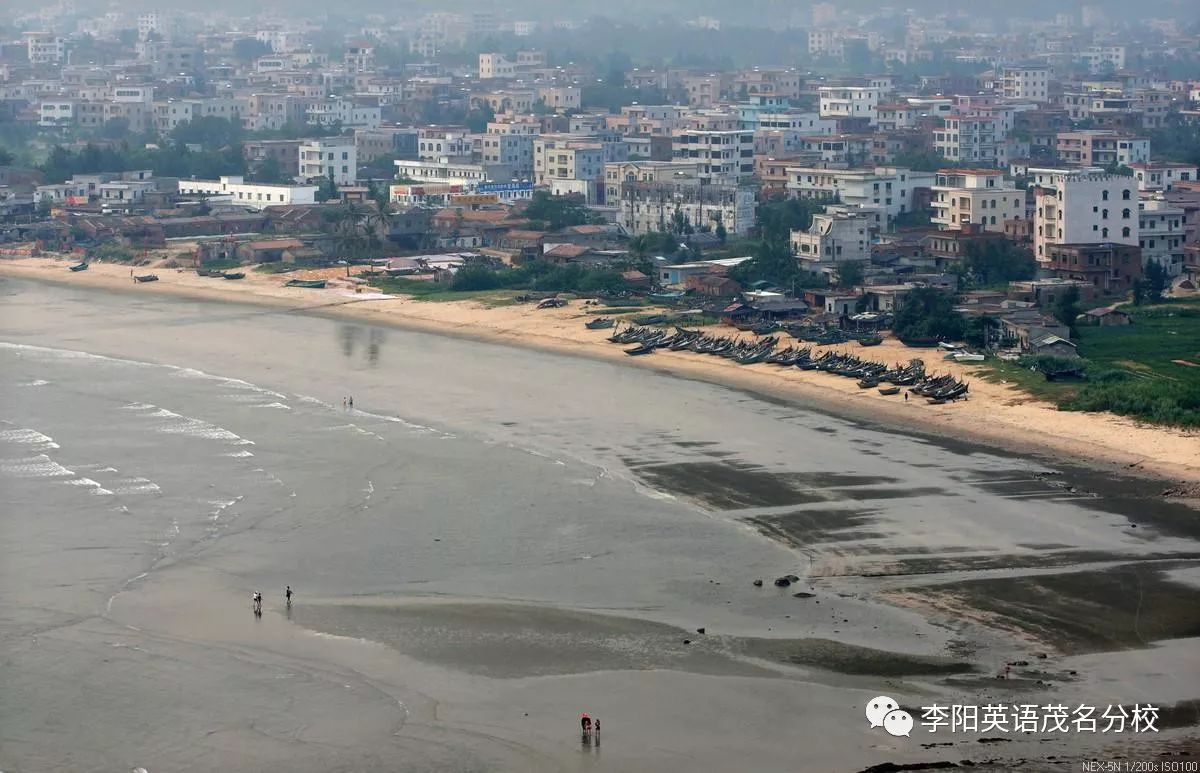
x=1162 y=175
x=44 y=48
x=1102 y=148
x=825 y=43
x=344 y=113
x=1082 y=206
x=703 y=90
x=1163 y=234
x=1026 y=82
x=511 y=149
x=645 y=207
x=833 y=238
x=436 y=142
x=1104 y=58
x=849 y=102
x=56 y=112
x=496 y=66
x=449 y=172
x=399 y=141
x=235 y=190
x=1108 y=267
x=359 y=57
x=286 y=153
x=560 y=98
x=892 y=189
x=573 y=164
x=975 y=138
x=725 y=156
x=329 y=157
x=618 y=173
x=975 y=196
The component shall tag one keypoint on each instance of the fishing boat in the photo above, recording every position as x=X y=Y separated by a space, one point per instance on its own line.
x=892 y=390
x=79 y=266
x=315 y=284
x=600 y=323
x=552 y=303
x=234 y=275
x=874 y=339
x=146 y=278
x=213 y=272
x=638 y=350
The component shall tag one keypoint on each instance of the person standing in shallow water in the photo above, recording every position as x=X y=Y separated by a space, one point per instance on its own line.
x=350 y=401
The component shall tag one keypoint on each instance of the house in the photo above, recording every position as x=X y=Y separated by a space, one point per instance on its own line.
x=1053 y=345
x=635 y=279
x=266 y=251
x=1107 y=316
x=737 y=312
x=712 y=285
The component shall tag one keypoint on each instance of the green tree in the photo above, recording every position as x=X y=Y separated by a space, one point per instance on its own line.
x=780 y=216
x=270 y=171
x=210 y=132
x=923 y=161
x=44 y=205
x=249 y=49
x=654 y=243
x=1066 y=309
x=6 y=157
x=478 y=119
x=997 y=261
x=720 y=232
x=1137 y=291
x=927 y=313
x=559 y=212
x=849 y=273
x=1157 y=281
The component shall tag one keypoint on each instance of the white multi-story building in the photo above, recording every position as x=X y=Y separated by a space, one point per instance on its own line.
x=512 y=149
x=335 y=157
x=617 y=174
x=651 y=206
x=834 y=238
x=808 y=123
x=452 y=173
x=972 y=138
x=1104 y=58
x=152 y=23
x=560 y=98
x=496 y=66
x=725 y=156
x=557 y=160
x=825 y=43
x=849 y=102
x=235 y=190
x=281 y=41
x=344 y=112
x=975 y=196
x=44 y=48
x=1029 y=82
x=1162 y=234
x=891 y=189
x=1083 y=206
x=435 y=143
x=1162 y=175
x=56 y=112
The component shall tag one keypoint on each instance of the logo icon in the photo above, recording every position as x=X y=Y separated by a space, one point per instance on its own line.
x=898 y=723
x=884 y=712
x=878 y=708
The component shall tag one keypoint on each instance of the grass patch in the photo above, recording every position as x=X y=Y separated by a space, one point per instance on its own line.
x=437 y=292
x=1132 y=370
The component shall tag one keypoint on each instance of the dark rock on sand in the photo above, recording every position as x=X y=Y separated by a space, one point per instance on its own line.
x=803 y=595
x=758 y=583
x=782 y=582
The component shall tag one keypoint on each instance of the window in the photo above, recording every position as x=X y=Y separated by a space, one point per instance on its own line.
x=1104 y=195
x=1125 y=214
x=1125 y=194
x=1104 y=233
x=1104 y=214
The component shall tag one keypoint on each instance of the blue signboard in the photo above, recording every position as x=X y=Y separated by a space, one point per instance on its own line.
x=503 y=187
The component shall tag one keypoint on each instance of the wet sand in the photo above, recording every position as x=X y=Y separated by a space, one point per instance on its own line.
x=498 y=539
x=997 y=414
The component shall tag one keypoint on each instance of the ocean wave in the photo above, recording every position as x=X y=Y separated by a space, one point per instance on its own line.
x=37 y=382
x=97 y=489
x=40 y=466
x=238 y=454
x=179 y=424
x=135 y=486
x=24 y=436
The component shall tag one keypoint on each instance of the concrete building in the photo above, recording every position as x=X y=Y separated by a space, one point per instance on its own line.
x=1101 y=148
x=560 y=98
x=511 y=149
x=235 y=190
x=849 y=102
x=893 y=189
x=1082 y=206
x=834 y=238
x=450 y=172
x=44 y=48
x=1162 y=235
x=335 y=157
x=972 y=138
x=1163 y=175
x=359 y=57
x=399 y=141
x=1028 y=82
x=286 y=153
x=496 y=66
x=435 y=143
x=618 y=173
x=725 y=156
x=979 y=196
x=570 y=165
x=1108 y=267
x=651 y=206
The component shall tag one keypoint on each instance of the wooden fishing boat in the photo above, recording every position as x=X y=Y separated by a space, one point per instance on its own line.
x=146 y=278
x=79 y=266
x=639 y=350
x=314 y=284
x=893 y=390
x=599 y=323
x=871 y=340
x=234 y=274
x=213 y=272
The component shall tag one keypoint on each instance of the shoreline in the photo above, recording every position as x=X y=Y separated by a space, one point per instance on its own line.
x=1001 y=417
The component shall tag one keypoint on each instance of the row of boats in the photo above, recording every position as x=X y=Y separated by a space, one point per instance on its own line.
x=869 y=374
x=221 y=273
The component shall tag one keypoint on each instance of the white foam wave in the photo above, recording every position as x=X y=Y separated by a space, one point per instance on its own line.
x=275 y=405
x=238 y=454
x=40 y=466
x=137 y=407
x=37 y=382
x=136 y=486
x=97 y=489
x=198 y=428
x=23 y=436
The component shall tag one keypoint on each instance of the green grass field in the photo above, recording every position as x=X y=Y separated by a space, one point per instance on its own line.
x=1148 y=370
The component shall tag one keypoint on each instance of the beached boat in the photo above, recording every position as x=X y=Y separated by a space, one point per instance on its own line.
x=600 y=323
x=315 y=284
x=893 y=390
x=234 y=275
x=643 y=349
x=874 y=339
x=211 y=272
x=552 y=303
x=79 y=266
x=966 y=357
x=146 y=278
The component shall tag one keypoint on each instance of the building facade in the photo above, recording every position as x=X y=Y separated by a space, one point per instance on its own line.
x=979 y=196
x=330 y=157
x=1083 y=206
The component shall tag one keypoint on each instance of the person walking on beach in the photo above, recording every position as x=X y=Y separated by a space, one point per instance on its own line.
x=257 y=599
x=287 y=594
x=585 y=723
x=351 y=402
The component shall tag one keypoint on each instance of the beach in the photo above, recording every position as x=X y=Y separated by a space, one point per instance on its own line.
x=995 y=413
x=502 y=534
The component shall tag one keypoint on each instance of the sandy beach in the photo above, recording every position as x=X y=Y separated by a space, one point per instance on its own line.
x=995 y=414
